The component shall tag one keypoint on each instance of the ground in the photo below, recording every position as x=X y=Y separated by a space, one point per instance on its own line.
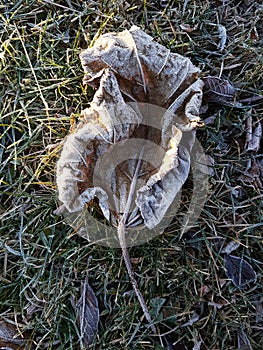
x=43 y=261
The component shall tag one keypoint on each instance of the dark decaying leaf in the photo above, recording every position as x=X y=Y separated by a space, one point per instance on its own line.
x=243 y=341
x=11 y=337
x=88 y=315
x=218 y=91
x=239 y=271
x=253 y=173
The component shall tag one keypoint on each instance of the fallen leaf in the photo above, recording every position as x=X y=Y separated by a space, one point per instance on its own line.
x=146 y=80
x=239 y=271
x=254 y=34
x=131 y=152
x=11 y=337
x=218 y=91
x=88 y=315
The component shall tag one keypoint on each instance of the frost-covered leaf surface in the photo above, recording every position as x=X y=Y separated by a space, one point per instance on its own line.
x=147 y=103
x=239 y=271
x=88 y=315
x=218 y=90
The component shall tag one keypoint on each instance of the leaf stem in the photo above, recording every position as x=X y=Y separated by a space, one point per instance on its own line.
x=126 y=257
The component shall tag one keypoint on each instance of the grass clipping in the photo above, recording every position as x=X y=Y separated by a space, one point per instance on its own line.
x=131 y=73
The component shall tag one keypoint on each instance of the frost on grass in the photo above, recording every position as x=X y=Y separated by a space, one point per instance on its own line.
x=147 y=102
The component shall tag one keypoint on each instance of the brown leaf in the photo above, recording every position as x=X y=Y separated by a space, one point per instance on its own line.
x=218 y=91
x=136 y=78
x=88 y=315
x=11 y=337
x=239 y=271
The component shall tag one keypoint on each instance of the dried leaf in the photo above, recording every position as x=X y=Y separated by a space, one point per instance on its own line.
x=239 y=271
x=88 y=315
x=218 y=91
x=136 y=78
x=136 y=260
x=11 y=337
